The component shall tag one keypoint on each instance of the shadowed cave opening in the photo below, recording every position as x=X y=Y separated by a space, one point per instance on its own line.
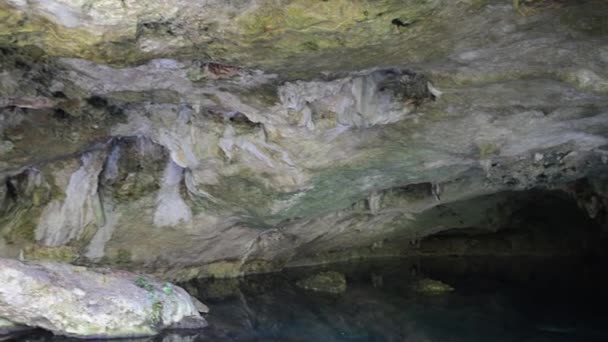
x=533 y=222
x=568 y=220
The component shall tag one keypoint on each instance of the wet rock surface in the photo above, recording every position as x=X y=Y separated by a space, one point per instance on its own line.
x=241 y=137
x=80 y=302
x=329 y=282
x=8 y=327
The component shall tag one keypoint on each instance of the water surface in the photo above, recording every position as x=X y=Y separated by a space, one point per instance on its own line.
x=495 y=299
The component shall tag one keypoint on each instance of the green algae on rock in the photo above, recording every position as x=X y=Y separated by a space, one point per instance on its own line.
x=431 y=286
x=329 y=282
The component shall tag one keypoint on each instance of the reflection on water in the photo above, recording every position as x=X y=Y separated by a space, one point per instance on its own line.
x=494 y=300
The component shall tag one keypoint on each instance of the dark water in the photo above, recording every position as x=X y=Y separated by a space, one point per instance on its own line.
x=494 y=300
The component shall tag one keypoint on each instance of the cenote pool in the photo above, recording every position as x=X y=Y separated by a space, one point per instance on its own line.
x=493 y=299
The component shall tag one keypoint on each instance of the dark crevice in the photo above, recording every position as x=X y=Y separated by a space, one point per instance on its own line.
x=11 y=190
x=61 y=114
x=97 y=101
x=59 y=95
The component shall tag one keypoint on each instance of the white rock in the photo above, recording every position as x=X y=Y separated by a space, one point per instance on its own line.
x=64 y=220
x=75 y=301
x=171 y=208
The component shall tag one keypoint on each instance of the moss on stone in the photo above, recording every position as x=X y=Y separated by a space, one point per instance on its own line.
x=244 y=191
x=187 y=273
x=330 y=282
x=222 y=269
x=260 y=266
x=351 y=254
x=487 y=150
x=269 y=35
x=156 y=316
x=156 y=95
x=431 y=286
x=138 y=174
x=123 y=257
x=144 y=283
x=85 y=236
x=342 y=185
x=57 y=40
x=316 y=31
x=20 y=225
x=67 y=254
x=40 y=196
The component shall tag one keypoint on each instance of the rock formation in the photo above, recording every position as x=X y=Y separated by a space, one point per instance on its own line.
x=221 y=138
x=75 y=301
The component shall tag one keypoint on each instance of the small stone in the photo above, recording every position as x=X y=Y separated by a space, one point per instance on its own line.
x=330 y=282
x=538 y=157
x=431 y=286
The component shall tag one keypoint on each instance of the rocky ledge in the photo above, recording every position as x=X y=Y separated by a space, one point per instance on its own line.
x=80 y=302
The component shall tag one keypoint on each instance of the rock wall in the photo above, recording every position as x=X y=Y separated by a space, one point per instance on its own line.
x=247 y=136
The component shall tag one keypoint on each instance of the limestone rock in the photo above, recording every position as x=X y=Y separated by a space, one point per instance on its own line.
x=246 y=136
x=330 y=282
x=63 y=221
x=80 y=302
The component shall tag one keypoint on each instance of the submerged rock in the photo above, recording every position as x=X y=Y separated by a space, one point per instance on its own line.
x=76 y=301
x=330 y=282
x=431 y=286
